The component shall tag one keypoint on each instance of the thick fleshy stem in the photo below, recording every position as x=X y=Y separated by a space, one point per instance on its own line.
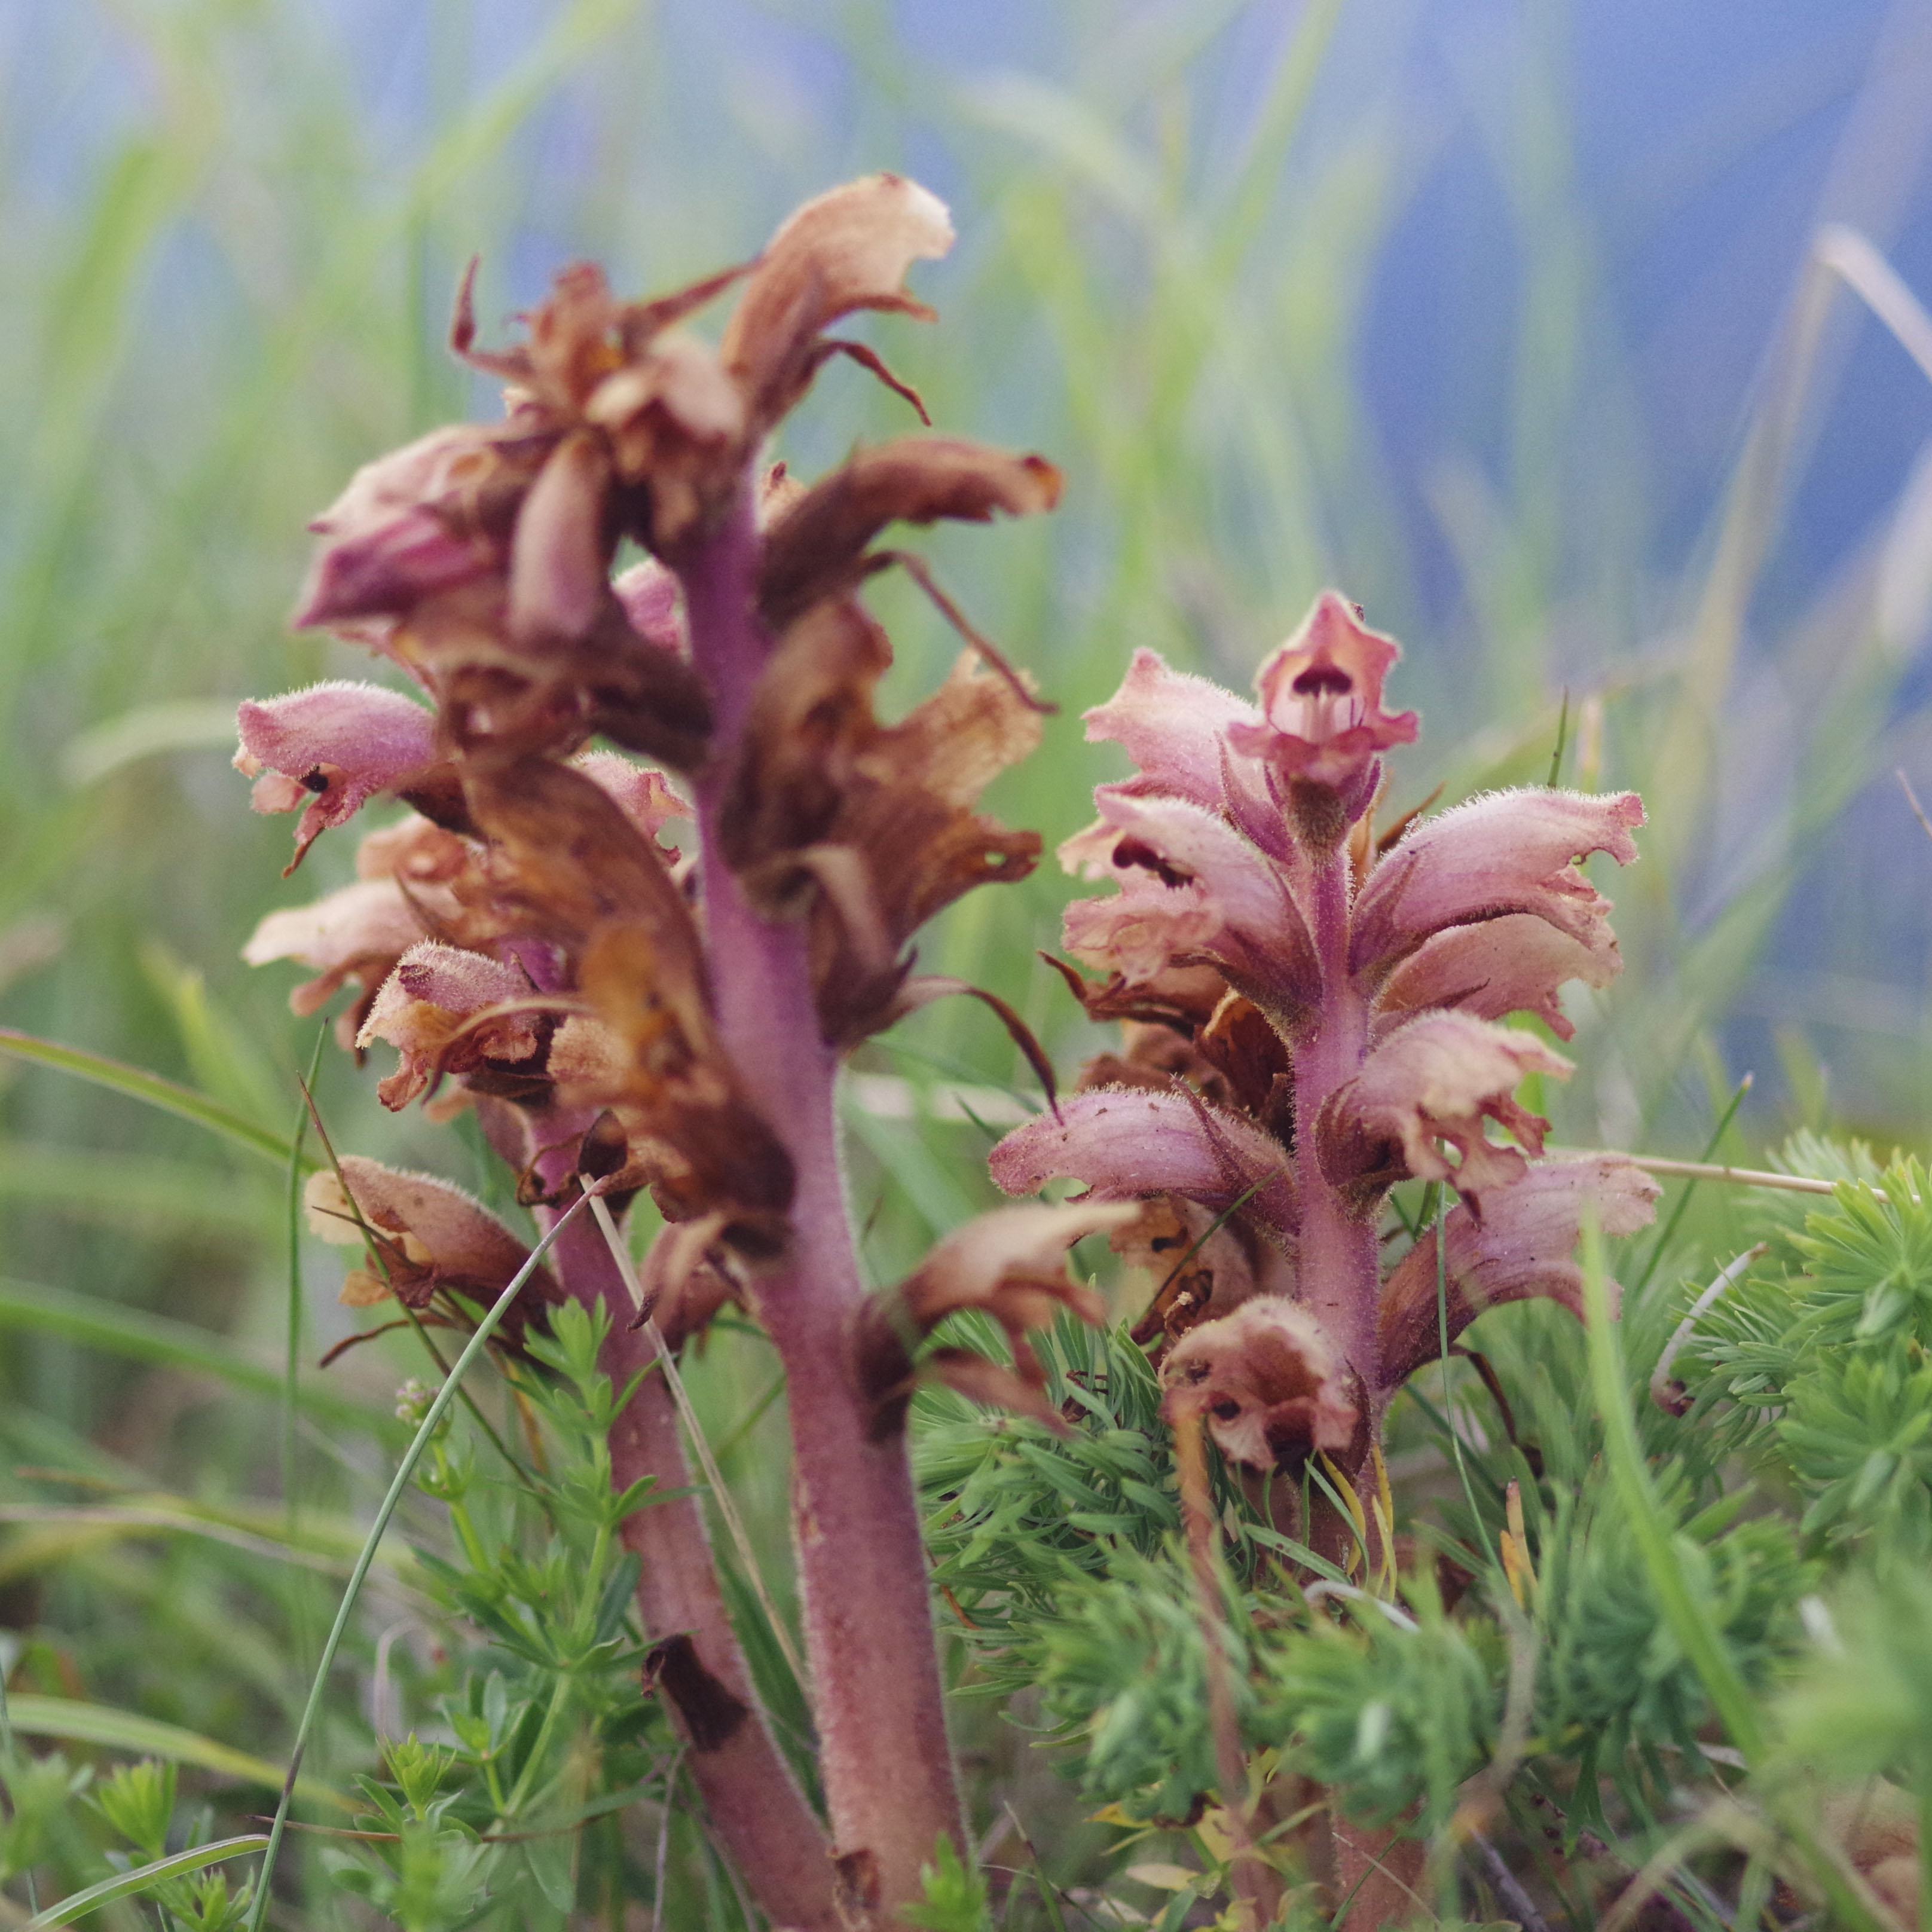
x=752 y=1799
x=1341 y=1275
x=867 y=1620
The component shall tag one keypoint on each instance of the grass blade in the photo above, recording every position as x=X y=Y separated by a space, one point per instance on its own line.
x=143 y=1878
x=1697 y=1636
x=150 y=1089
x=432 y=1420
x=120 y=1330
x=73 y=1722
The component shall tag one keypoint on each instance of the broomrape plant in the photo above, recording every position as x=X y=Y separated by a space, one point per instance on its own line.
x=618 y=1014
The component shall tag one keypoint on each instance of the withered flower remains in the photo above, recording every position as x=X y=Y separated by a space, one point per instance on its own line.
x=529 y=945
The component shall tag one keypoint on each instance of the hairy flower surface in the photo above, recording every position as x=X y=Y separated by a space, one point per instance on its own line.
x=1311 y=1018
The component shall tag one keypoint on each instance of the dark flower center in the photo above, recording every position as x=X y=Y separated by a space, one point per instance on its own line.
x=1322 y=680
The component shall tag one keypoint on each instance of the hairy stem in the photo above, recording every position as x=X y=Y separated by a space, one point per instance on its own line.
x=868 y=1618
x=1340 y=1277
x=748 y=1791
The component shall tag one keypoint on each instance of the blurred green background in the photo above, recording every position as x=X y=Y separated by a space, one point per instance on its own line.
x=1507 y=318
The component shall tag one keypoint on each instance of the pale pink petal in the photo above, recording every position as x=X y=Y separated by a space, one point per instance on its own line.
x=437 y=1236
x=1321 y=698
x=398 y=533
x=1272 y=1387
x=356 y=932
x=1524 y=1246
x=1506 y=852
x=1436 y=1078
x=559 y=561
x=1194 y=890
x=371 y=916
x=340 y=743
x=1125 y=1143
x=1174 y=727
x=1513 y=965
x=642 y=791
x=654 y=604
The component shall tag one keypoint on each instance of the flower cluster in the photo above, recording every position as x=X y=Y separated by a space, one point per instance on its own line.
x=532 y=945
x=1310 y=1010
x=526 y=940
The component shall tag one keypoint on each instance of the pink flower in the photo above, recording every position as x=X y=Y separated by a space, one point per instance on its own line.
x=1321 y=695
x=1270 y=1382
x=438 y=1009
x=1437 y=1079
x=421 y=519
x=1506 y=852
x=1523 y=1247
x=1194 y=890
x=1125 y=1144
x=327 y=750
x=1176 y=728
x=1516 y=964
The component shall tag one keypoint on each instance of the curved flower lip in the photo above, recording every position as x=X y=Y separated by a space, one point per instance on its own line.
x=1174 y=726
x=1192 y=887
x=424 y=1003
x=1516 y=964
x=331 y=748
x=1322 y=700
x=1125 y=1143
x=1437 y=1079
x=1505 y=852
x=1523 y=1247
x=1271 y=1383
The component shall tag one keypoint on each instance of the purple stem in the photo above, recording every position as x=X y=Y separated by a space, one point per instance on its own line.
x=861 y=1566
x=1341 y=1278
x=748 y=1791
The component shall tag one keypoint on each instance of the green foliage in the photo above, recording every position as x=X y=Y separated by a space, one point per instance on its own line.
x=544 y=1715
x=138 y=1801
x=955 y=1898
x=1816 y=1364
x=1862 y=1707
x=1395 y=1714
x=1613 y=1682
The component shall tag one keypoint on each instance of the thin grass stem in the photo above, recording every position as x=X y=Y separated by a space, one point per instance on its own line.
x=432 y=1420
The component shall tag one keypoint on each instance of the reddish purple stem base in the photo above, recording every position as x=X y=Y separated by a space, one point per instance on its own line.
x=750 y=1795
x=867 y=1620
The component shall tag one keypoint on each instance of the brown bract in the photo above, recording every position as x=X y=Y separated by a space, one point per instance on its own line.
x=816 y=547
x=584 y=875
x=422 y=1235
x=1010 y=1265
x=867 y=829
x=1271 y=1386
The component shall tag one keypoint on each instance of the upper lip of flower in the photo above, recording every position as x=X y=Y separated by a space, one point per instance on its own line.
x=1321 y=698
